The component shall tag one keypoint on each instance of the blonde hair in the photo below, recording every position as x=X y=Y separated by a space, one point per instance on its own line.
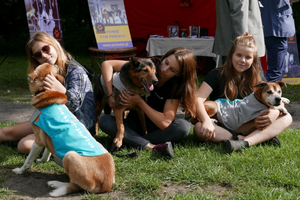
x=63 y=57
x=241 y=85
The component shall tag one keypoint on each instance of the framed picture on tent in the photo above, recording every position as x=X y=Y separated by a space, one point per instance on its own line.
x=185 y=3
x=173 y=31
x=194 y=31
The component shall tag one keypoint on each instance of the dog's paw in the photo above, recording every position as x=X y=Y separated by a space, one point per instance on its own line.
x=54 y=184
x=285 y=100
x=60 y=188
x=58 y=192
x=118 y=142
x=18 y=170
x=282 y=109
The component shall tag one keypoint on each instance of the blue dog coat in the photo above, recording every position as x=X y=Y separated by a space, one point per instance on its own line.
x=66 y=132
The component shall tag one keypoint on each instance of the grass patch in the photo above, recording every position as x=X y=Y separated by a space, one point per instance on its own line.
x=292 y=93
x=199 y=171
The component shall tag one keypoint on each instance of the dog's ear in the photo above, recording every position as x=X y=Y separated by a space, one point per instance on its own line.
x=32 y=76
x=133 y=60
x=281 y=84
x=261 y=85
x=156 y=61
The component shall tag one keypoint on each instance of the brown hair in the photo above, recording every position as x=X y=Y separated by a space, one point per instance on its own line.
x=63 y=57
x=241 y=85
x=185 y=83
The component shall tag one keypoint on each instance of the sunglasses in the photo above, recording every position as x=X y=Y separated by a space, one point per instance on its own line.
x=45 y=49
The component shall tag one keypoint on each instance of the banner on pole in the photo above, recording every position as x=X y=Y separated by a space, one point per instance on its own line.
x=43 y=15
x=291 y=73
x=110 y=24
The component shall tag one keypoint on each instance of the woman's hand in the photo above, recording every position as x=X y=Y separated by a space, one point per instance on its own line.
x=51 y=83
x=208 y=130
x=111 y=101
x=268 y=117
x=129 y=98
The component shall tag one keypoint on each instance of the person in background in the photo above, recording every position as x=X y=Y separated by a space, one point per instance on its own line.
x=233 y=19
x=43 y=48
x=235 y=80
x=278 y=22
x=176 y=84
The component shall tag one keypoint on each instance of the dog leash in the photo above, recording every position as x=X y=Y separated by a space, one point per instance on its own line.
x=130 y=155
x=113 y=150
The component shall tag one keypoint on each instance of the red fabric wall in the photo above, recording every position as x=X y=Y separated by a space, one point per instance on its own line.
x=153 y=17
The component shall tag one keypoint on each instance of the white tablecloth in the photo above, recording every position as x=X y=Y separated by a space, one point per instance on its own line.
x=199 y=46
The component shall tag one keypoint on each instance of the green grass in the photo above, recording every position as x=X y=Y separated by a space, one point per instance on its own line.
x=292 y=92
x=199 y=171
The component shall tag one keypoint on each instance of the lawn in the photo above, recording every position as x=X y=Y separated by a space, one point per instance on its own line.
x=198 y=171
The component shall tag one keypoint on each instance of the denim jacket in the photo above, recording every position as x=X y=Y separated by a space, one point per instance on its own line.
x=80 y=94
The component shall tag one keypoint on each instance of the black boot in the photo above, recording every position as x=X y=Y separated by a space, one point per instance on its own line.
x=273 y=141
x=235 y=145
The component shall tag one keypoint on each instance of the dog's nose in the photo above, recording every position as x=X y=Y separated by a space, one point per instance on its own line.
x=278 y=100
x=154 y=82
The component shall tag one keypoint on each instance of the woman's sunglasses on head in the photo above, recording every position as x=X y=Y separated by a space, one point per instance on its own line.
x=45 y=49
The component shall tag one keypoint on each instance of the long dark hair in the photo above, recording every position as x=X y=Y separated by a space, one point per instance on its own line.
x=184 y=84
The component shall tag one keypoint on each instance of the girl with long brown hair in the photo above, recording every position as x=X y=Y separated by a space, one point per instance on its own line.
x=235 y=80
x=176 y=84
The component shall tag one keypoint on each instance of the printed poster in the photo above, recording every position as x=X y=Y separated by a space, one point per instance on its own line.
x=291 y=73
x=110 y=24
x=43 y=15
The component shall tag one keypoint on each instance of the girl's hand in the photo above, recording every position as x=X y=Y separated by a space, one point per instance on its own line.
x=268 y=117
x=51 y=83
x=129 y=98
x=111 y=101
x=208 y=130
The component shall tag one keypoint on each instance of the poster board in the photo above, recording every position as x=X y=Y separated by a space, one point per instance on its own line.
x=291 y=73
x=110 y=24
x=43 y=15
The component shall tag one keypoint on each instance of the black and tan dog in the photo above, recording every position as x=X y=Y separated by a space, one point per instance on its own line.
x=89 y=166
x=233 y=114
x=138 y=76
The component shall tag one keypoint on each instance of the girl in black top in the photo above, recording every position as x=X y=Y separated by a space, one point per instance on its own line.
x=236 y=79
x=177 y=84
